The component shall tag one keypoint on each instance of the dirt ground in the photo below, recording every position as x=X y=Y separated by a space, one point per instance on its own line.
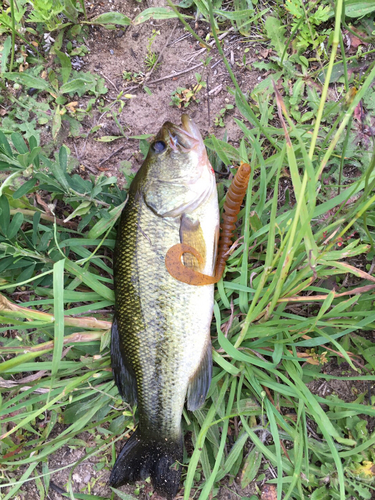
x=181 y=56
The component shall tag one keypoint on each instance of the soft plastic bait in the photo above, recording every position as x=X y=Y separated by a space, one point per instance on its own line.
x=232 y=206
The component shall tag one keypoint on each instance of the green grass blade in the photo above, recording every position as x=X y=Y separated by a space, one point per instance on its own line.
x=58 y=310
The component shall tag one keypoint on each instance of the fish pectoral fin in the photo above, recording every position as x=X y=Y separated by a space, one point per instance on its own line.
x=187 y=275
x=123 y=375
x=191 y=234
x=200 y=382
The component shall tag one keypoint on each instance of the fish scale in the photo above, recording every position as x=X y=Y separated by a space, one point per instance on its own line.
x=161 y=348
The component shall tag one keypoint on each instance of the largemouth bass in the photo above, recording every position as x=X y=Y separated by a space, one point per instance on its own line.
x=161 y=347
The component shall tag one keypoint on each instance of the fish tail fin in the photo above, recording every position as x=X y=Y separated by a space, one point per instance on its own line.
x=142 y=457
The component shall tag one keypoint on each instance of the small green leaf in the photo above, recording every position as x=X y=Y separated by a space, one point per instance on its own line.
x=104 y=224
x=244 y=16
x=58 y=173
x=28 y=80
x=105 y=341
x=56 y=122
x=63 y=158
x=154 y=13
x=5 y=54
x=15 y=225
x=27 y=159
x=4 y=214
x=275 y=32
x=251 y=467
x=185 y=4
x=82 y=209
x=359 y=8
x=66 y=65
x=4 y=144
x=19 y=143
x=76 y=85
x=255 y=222
x=25 y=188
x=143 y=136
x=109 y=138
x=122 y=495
x=111 y=18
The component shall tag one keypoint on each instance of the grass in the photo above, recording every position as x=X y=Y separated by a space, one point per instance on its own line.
x=297 y=294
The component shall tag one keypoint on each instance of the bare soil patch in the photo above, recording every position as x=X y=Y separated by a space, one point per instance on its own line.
x=124 y=50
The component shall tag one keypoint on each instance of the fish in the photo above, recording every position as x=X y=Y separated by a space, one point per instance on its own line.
x=161 y=349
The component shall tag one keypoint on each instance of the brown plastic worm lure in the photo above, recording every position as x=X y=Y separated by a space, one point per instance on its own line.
x=232 y=206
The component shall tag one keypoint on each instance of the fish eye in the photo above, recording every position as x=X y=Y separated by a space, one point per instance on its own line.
x=159 y=146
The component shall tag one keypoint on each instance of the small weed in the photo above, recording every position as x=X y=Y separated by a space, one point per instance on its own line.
x=53 y=14
x=305 y=23
x=133 y=77
x=62 y=84
x=219 y=118
x=182 y=96
x=151 y=56
x=244 y=57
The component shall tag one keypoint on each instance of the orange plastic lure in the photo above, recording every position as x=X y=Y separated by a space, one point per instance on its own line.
x=232 y=206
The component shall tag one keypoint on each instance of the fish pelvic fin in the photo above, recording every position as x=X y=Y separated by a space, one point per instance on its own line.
x=142 y=457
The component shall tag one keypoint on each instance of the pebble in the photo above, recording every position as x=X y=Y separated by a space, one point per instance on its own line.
x=87 y=478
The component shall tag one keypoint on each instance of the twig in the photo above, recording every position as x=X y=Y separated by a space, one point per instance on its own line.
x=216 y=90
x=24 y=312
x=110 y=156
x=355 y=291
x=211 y=44
x=216 y=64
x=91 y=169
x=77 y=154
x=48 y=346
x=13 y=383
x=175 y=74
x=110 y=81
x=50 y=218
x=179 y=39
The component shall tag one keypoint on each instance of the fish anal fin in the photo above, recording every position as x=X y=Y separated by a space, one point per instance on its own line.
x=122 y=373
x=200 y=383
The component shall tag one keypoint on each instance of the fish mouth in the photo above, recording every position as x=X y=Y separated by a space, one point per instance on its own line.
x=184 y=138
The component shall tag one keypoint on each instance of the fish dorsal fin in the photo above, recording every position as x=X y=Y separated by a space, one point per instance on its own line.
x=200 y=382
x=191 y=234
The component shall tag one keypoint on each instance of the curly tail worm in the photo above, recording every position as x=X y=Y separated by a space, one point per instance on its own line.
x=232 y=206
